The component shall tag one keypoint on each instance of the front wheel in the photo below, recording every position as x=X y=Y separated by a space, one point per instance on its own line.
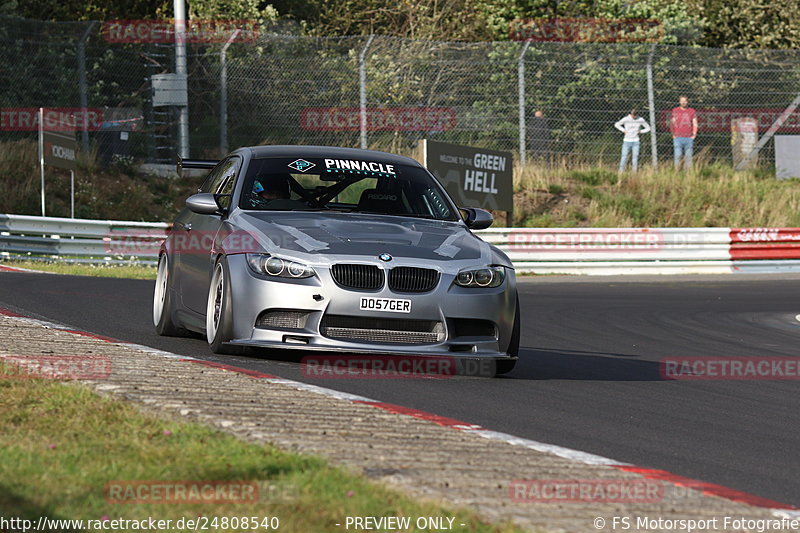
x=219 y=319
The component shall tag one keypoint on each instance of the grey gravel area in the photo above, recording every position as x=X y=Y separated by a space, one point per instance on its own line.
x=414 y=455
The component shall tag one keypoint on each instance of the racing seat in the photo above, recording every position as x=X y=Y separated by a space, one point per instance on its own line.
x=388 y=202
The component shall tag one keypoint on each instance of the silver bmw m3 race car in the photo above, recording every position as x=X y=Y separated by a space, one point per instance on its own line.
x=334 y=249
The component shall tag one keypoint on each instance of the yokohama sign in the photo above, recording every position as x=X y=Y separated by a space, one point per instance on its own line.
x=378 y=119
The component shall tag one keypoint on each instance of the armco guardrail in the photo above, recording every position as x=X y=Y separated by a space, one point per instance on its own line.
x=648 y=250
x=80 y=240
x=533 y=250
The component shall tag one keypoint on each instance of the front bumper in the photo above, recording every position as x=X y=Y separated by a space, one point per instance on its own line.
x=448 y=305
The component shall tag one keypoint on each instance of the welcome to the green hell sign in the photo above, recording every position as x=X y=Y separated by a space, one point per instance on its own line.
x=474 y=177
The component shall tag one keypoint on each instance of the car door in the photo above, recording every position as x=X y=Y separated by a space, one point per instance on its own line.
x=199 y=233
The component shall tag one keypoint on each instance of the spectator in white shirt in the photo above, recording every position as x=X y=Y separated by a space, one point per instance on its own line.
x=631 y=125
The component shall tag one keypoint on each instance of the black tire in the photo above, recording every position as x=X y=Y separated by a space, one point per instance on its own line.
x=163 y=304
x=219 y=316
x=504 y=366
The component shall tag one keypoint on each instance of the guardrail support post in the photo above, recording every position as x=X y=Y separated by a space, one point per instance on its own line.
x=41 y=152
x=72 y=194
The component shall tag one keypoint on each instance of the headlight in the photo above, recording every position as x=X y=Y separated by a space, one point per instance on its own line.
x=277 y=267
x=491 y=276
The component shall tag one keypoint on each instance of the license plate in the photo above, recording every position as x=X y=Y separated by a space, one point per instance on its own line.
x=393 y=305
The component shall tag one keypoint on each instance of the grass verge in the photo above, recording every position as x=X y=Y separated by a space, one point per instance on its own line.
x=77 y=269
x=709 y=195
x=62 y=445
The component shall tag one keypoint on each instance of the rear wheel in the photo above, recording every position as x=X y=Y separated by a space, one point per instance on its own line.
x=219 y=317
x=504 y=366
x=163 y=305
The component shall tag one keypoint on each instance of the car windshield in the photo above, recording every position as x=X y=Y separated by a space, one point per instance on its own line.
x=360 y=186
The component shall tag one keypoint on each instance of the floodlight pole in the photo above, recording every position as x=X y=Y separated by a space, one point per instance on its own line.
x=180 y=69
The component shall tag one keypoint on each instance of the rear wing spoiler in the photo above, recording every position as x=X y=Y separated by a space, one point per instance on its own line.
x=207 y=164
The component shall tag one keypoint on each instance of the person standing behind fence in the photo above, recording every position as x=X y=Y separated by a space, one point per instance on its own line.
x=684 y=130
x=631 y=125
x=539 y=136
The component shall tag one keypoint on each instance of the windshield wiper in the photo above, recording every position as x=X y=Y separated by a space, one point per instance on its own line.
x=338 y=209
x=409 y=215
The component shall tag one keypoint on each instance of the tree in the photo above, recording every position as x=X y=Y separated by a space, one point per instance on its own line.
x=750 y=23
x=468 y=20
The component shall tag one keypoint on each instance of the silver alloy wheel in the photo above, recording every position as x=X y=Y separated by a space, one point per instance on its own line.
x=215 y=298
x=160 y=293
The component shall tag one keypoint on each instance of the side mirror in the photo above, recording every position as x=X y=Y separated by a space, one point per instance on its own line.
x=203 y=203
x=476 y=218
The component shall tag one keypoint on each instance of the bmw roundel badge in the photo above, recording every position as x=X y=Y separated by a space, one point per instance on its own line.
x=385 y=257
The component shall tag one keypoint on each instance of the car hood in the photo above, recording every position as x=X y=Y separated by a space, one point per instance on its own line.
x=362 y=234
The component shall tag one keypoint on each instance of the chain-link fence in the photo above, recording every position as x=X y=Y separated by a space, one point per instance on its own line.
x=389 y=92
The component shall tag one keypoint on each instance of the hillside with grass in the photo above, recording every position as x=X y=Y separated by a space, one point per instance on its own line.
x=707 y=196
x=115 y=193
x=544 y=196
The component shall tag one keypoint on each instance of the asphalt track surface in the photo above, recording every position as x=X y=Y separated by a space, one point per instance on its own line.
x=588 y=378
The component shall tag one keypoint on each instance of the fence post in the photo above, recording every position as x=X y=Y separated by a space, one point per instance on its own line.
x=84 y=101
x=362 y=91
x=769 y=133
x=223 y=95
x=521 y=90
x=652 y=106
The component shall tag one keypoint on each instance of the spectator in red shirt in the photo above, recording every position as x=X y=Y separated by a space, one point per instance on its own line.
x=684 y=130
